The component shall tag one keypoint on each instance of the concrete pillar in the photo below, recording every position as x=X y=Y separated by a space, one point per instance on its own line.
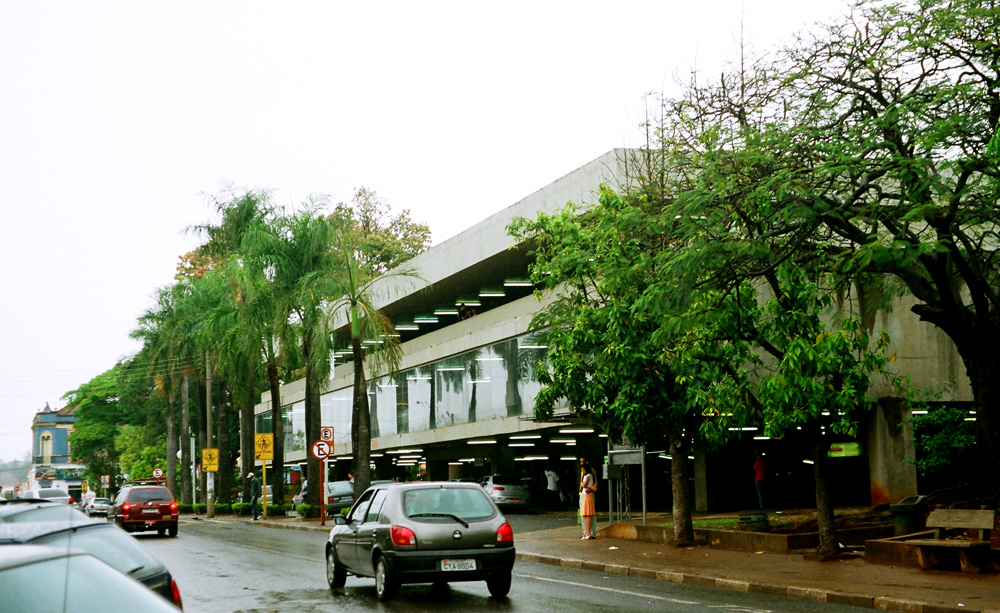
x=700 y=480
x=891 y=452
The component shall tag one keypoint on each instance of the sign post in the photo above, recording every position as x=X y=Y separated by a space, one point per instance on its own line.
x=320 y=451
x=263 y=450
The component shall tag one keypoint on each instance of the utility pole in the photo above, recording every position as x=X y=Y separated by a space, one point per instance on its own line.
x=210 y=496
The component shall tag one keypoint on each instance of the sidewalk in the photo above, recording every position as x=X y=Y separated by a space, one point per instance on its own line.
x=847 y=581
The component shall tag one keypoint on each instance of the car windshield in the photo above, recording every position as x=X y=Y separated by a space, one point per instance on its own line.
x=468 y=504
x=52 y=494
x=149 y=494
x=45 y=512
x=106 y=543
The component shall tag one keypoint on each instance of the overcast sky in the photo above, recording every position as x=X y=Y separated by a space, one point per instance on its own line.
x=117 y=119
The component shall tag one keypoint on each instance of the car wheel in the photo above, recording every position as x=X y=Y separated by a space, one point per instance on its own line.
x=385 y=583
x=172 y=530
x=499 y=585
x=336 y=575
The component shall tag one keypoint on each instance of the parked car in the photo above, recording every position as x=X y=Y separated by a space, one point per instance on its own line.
x=339 y=494
x=95 y=506
x=60 y=579
x=52 y=493
x=507 y=491
x=101 y=540
x=145 y=507
x=426 y=532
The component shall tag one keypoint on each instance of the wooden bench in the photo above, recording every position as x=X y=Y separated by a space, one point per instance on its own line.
x=971 y=552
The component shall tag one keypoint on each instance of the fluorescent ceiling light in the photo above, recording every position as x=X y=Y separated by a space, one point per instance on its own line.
x=482 y=442
x=489 y=359
x=523 y=437
x=451 y=369
x=492 y=293
x=446 y=311
x=425 y=319
x=407 y=326
x=477 y=381
x=570 y=458
x=466 y=459
x=404 y=451
x=520 y=444
x=517 y=283
x=375 y=455
x=418 y=378
x=762 y=438
x=468 y=302
x=562 y=440
x=454 y=463
x=577 y=431
x=534 y=347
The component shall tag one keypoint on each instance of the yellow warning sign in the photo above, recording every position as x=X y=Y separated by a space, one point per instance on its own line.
x=263 y=446
x=210 y=460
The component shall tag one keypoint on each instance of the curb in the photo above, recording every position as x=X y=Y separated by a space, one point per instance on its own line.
x=879 y=603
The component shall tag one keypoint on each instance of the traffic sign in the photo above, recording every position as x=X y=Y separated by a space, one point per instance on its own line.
x=321 y=449
x=326 y=434
x=210 y=460
x=263 y=446
x=157 y=473
x=105 y=481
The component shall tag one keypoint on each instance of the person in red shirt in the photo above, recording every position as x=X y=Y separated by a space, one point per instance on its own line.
x=759 y=477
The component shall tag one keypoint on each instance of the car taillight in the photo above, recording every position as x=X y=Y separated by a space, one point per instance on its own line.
x=175 y=593
x=497 y=488
x=329 y=499
x=126 y=507
x=173 y=506
x=402 y=536
x=505 y=534
x=71 y=500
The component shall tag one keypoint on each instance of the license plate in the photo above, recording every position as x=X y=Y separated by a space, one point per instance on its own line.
x=151 y=511
x=167 y=517
x=458 y=565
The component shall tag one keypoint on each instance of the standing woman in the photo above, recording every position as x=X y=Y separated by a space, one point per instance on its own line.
x=587 y=509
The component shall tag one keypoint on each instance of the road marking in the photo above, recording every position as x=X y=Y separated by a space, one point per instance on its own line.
x=611 y=589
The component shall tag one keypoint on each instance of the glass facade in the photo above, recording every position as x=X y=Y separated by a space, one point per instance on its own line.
x=491 y=382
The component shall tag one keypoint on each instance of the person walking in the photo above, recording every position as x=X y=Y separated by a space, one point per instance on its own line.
x=552 y=486
x=254 y=495
x=587 y=507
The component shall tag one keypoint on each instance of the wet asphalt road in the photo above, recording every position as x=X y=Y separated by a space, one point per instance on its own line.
x=227 y=565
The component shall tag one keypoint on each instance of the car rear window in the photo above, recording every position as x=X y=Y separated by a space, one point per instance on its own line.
x=149 y=494
x=341 y=488
x=108 y=544
x=467 y=503
x=506 y=480
x=48 y=512
x=52 y=494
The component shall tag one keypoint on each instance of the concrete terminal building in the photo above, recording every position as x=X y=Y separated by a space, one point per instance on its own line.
x=461 y=404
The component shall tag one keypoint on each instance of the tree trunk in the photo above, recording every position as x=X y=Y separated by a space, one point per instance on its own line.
x=683 y=526
x=171 y=440
x=224 y=478
x=512 y=395
x=278 y=430
x=247 y=430
x=185 y=443
x=361 y=422
x=315 y=495
x=828 y=544
x=202 y=416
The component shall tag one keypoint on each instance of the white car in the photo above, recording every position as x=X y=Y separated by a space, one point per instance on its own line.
x=53 y=494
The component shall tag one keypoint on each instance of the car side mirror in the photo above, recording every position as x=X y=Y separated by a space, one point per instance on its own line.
x=339 y=520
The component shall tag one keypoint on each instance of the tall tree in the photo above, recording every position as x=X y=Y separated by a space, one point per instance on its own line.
x=875 y=142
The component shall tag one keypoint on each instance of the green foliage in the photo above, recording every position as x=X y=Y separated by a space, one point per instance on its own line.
x=222 y=508
x=141 y=449
x=307 y=510
x=185 y=509
x=944 y=440
x=241 y=508
x=199 y=508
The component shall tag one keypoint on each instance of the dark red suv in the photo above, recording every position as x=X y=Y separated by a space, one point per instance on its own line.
x=145 y=507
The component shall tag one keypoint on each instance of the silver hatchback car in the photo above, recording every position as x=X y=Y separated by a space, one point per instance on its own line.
x=430 y=532
x=507 y=491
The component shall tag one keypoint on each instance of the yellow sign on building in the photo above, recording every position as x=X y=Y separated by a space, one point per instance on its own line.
x=210 y=460
x=263 y=446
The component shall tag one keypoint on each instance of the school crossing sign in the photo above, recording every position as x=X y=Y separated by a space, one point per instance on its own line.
x=263 y=446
